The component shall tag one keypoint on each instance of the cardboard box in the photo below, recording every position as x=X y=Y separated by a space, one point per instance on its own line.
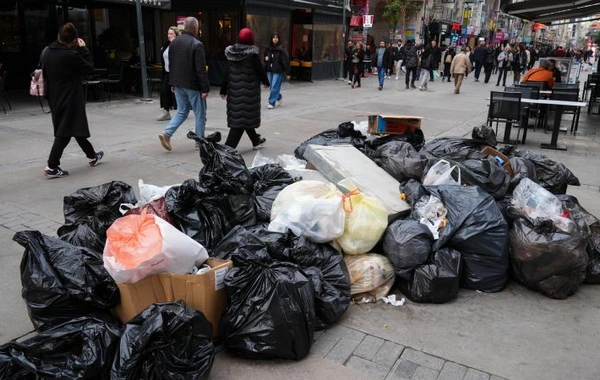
x=394 y=124
x=204 y=292
x=488 y=150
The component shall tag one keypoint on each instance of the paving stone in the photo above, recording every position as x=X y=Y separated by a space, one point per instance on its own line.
x=369 y=347
x=494 y=377
x=403 y=370
x=473 y=374
x=350 y=339
x=388 y=354
x=374 y=370
x=423 y=359
x=324 y=344
x=452 y=371
x=425 y=373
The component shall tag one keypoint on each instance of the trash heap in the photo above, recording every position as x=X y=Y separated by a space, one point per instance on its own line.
x=259 y=258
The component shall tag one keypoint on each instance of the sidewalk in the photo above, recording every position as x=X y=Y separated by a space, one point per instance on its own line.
x=514 y=334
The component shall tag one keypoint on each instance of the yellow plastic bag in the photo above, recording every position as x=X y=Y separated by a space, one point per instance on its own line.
x=371 y=275
x=366 y=221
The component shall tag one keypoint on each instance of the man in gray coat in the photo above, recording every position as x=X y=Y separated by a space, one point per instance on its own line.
x=187 y=69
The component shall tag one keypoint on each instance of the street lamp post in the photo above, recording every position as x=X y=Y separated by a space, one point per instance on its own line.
x=343 y=39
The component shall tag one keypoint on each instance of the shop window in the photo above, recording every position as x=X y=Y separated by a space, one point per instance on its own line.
x=264 y=26
x=326 y=43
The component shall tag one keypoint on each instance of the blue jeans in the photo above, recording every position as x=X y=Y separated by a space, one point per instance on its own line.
x=188 y=100
x=275 y=79
x=381 y=71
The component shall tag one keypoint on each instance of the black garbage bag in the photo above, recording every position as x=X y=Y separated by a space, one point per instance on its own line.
x=96 y=208
x=407 y=243
x=484 y=134
x=82 y=348
x=222 y=160
x=551 y=175
x=434 y=282
x=61 y=281
x=452 y=148
x=503 y=205
x=271 y=311
x=400 y=160
x=546 y=259
x=475 y=227
x=165 y=341
x=485 y=173
x=242 y=247
x=589 y=226
x=331 y=137
x=522 y=168
x=269 y=180
x=346 y=129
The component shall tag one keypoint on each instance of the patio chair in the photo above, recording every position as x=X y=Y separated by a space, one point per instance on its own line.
x=505 y=107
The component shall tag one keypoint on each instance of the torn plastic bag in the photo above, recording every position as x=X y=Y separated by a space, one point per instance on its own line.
x=476 y=229
x=309 y=208
x=271 y=312
x=365 y=222
x=61 y=281
x=149 y=193
x=257 y=244
x=224 y=161
x=97 y=208
x=371 y=275
x=522 y=168
x=546 y=259
x=400 y=160
x=269 y=180
x=82 y=348
x=407 y=243
x=431 y=212
x=156 y=207
x=338 y=136
x=589 y=226
x=442 y=173
x=551 y=175
x=437 y=281
x=485 y=135
x=138 y=246
x=536 y=202
x=165 y=341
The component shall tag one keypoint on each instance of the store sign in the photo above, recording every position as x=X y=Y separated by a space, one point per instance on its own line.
x=368 y=21
x=162 y=4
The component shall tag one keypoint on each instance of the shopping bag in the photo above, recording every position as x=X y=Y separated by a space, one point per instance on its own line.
x=436 y=74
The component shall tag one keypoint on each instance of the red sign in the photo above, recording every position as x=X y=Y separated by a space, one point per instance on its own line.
x=355 y=21
x=368 y=21
x=456 y=26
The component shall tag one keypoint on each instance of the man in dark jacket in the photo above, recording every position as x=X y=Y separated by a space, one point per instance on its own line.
x=478 y=58
x=436 y=57
x=488 y=61
x=187 y=74
x=348 y=62
x=411 y=61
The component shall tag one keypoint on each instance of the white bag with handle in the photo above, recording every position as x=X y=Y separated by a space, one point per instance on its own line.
x=441 y=174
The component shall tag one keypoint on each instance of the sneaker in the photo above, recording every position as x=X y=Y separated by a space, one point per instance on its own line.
x=94 y=161
x=260 y=144
x=279 y=103
x=380 y=88
x=55 y=173
x=164 y=116
x=413 y=86
x=270 y=106
x=396 y=78
x=165 y=141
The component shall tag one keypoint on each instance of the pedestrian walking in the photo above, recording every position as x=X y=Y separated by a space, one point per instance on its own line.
x=488 y=61
x=348 y=71
x=426 y=63
x=400 y=56
x=187 y=74
x=448 y=56
x=383 y=59
x=241 y=89
x=461 y=65
x=478 y=58
x=505 y=59
x=411 y=62
x=278 y=65
x=357 y=64
x=64 y=63
x=167 y=97
x=519 y=61
x=436 y=57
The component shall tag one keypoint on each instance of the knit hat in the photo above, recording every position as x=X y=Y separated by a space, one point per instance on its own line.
x=246 y=37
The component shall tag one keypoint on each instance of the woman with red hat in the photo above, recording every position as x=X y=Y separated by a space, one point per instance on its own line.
x=241 y=89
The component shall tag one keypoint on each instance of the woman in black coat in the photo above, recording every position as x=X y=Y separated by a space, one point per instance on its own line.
x=241 y=88
x=167 y=97
x=65 y=63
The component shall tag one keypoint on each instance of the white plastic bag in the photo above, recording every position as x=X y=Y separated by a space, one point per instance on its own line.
x=140 y=245
x=366 y=220
x=286 y=161
x=260 y=160
x=370 y=274
x=536 y=202
x=441 y=174
x=431 y=212
x=309 y=208
x=148 y=192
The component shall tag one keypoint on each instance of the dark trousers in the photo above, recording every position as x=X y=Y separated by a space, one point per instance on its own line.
x=348 y=72
x=447 y=70
x=477 y=69
x=235 y=135
x=502 y=75
x=60 y=143
x=358 y=72
x=412 y=70
x=167 y=97
x=488 y=67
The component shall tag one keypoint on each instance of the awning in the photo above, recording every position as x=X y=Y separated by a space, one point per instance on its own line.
x=161 y=4
x=548 y=11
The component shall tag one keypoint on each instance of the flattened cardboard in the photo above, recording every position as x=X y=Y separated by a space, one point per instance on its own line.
x=204 y=292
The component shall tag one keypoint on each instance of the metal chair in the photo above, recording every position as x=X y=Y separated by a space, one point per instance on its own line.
x=568 y=96
x=525 y=107
x=3 y=92
x=154 y=79
x=505 y=107
x=592 y=86
x=115 y=78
